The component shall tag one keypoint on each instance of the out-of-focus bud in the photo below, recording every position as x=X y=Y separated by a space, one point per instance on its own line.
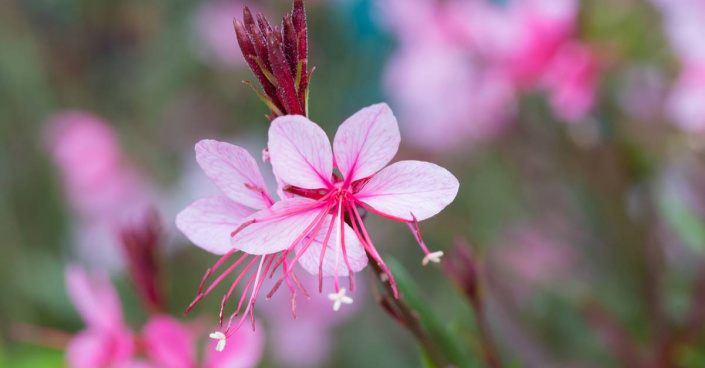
x=462 y=267
x=140 y=240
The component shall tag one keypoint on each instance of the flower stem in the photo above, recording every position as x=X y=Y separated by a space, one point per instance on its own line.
x=406 y=316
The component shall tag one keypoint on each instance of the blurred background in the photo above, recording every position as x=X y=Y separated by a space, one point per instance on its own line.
x=574 y=127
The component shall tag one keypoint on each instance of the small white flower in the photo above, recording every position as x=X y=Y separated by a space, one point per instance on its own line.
x=339 y=299
x=221 y=340
x=434 y=257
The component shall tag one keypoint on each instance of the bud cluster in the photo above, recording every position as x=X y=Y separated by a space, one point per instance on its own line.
x=278 y=56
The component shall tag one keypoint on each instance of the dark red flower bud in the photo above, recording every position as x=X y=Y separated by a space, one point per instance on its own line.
x=286 y=89
x=290 y=45
x=279 y=59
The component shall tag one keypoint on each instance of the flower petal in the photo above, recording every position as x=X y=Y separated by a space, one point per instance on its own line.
x=366 y=142
x=243 y=350
x=291 y=217
x=169 y=343
x=407 y=187
x=208 y=222
x=95 y=299
x=357 y=257
x=234 y=171
x=300 y=152
x=96 y=349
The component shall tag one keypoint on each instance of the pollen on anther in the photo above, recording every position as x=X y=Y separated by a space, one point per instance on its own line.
x=434 y=257
x=217 y=335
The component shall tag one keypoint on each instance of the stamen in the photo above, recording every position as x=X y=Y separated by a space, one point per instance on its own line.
x=434 y=257
x=370 y=248
x=339 y=299
x=323 y=253
x=232 y=288
x=318 y=224
x=200 y=294
x=217 y=335
x=280 y=215
x=351 y=275
x=338 y=240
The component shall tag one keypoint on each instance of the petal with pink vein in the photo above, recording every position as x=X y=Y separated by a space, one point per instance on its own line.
x=234 y=171
x=208 y=222
x=366 y=142
x=356 y=255
x=278 y=227
x=300 y=152
x=407 y=187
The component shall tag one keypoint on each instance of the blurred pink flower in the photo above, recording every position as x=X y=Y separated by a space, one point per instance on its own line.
x=520 y=37
x=446 y=97
x=446 y=94
x=170 y=344
x=684 y=24
x=106 y=341
x=97 y=177
x=686 y=104
x=571 y=81
x=307 y=340
x=215 y=37
x=460 y=64
x=101 y=185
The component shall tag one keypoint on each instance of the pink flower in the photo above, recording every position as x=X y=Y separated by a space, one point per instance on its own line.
x=169 y=344
x=311 y=224
x=572 y=80
x=209 y=222
x=686 y=104
x=106 y=341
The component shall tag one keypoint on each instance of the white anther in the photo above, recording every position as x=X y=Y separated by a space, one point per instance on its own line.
x=221 y=340
x=434 y=257
x=339 y=299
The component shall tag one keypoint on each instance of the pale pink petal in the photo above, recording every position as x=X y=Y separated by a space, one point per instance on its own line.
x=95 y=299
x=234 y=171
x=366 y=142
x=135 y=364
x=208 y=222
x=300 y=152
x=243 y=350
x=357 y=258
x=304 y=343
x=271 y=236
x=97 y=349
x=168 y=343
x=407 y=187
x=88 y=349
